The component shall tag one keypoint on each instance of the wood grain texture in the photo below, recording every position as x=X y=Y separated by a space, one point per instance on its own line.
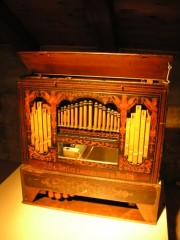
x=119 y=80
x=95 y=64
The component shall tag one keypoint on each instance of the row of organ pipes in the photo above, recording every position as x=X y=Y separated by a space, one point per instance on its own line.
x=40 y=118
x=89 y=115
x=137 y=135
x=92 y=116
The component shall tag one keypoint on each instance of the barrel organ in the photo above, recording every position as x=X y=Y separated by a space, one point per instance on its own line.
x=89 y=115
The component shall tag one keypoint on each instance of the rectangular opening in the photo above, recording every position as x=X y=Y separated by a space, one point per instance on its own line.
x=88 y=153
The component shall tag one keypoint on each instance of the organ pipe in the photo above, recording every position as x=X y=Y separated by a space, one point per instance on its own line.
x=89 y=115
x=40 y=117
x=137 y=136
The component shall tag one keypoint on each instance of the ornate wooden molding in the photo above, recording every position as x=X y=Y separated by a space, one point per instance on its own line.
x=152 y=107
x=50 y=156
x=91 y=142
x=144 y=167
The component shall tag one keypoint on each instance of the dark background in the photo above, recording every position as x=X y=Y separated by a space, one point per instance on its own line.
x=135 y=26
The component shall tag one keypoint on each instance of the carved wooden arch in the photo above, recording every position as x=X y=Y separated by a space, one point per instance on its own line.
x=72 y=96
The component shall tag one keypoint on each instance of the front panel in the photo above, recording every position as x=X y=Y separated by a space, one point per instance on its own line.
x=112 y=130
x=92 y=128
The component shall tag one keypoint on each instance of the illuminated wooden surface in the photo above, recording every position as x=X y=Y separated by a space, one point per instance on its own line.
x=21 y=221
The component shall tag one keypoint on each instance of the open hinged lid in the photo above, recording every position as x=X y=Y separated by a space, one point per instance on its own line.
x=113 y=65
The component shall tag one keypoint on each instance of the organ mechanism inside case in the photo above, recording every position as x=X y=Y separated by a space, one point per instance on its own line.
x=92 y=127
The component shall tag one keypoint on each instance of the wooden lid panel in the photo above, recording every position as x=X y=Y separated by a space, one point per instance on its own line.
x=144 y=66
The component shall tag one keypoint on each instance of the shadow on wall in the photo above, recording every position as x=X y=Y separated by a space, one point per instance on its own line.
x=170 y=170
x=10 y=69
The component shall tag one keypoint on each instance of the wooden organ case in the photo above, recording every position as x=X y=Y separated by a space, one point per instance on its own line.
x=92 y=128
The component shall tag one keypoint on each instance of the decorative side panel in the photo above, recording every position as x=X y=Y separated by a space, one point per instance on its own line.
x=127 y=123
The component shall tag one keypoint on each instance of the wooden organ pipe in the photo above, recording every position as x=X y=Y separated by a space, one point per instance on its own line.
x=80 y=114
x=45 y=142
x=68 y=115
x=95 y=115
x=103 y=118
x=76 y=116
x=137 y=136
x=100 y=116
x=40 y=127
x=85 y=114
x=40 y=117
x=111 y=119
x=89 y=115
x=108 y=119
x=118 y=120
x=49 y=128
x=33 y=126
x=64 y=116
x=72 y=115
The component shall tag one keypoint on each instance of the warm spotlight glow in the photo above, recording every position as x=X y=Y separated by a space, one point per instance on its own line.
x=26 y=222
